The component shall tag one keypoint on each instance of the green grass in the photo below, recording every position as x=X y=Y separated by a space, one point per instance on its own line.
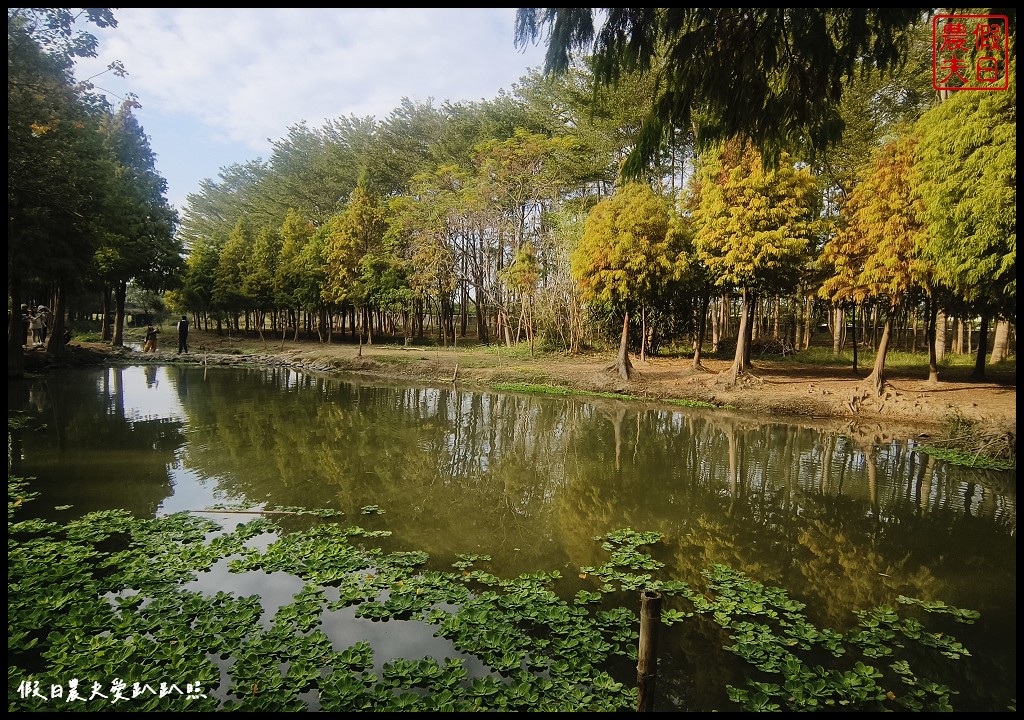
x=394 y=359
x=556 y=390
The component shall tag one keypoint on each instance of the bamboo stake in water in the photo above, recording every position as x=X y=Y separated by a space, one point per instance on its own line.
x=647 y=663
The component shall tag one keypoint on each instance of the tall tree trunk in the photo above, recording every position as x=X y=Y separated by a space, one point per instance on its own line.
x=726 y=309
x=119 y=297
x=506 y=329
x=776 y=335
x=756 y=310
x=716 y=327
x=106 y=332
x=838 y=329
x=933 y=361
x=874 y=324
x=754 y=319
x=978 y=373
x=698 y=343
x=854 y=323
x=876 y=380
x=643 y=333
x=913 y=333
x=808 y=321
x=622 y=365
x=741 y=360
x=481 y=318
x=529 y=323
x=940 y=336
x=463 y=305
x=1001 y=342
x=55 y=344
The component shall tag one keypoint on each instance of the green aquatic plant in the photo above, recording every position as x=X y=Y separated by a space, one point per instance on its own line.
x=104 y=601
x=972 y=443
x=869 y=670
x=968 y=458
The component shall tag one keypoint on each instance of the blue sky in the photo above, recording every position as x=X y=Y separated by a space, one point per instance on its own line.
x=218 y=85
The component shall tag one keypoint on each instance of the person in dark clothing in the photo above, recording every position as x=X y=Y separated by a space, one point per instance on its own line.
x=183 y=335
x=26 y=323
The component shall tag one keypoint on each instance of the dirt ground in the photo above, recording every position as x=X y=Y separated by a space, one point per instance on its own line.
x=783 y=390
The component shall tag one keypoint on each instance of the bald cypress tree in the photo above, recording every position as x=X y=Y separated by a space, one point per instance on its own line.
x=752 y=228
x=967 y=167
x=624 y=257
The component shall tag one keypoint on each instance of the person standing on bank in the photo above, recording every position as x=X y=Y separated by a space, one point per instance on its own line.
x=151 y=333
x=183 y=335
x=36 y=322
x=26 y=323
x=45 y=313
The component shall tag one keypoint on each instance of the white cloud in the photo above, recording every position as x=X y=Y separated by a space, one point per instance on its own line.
x=218 y=83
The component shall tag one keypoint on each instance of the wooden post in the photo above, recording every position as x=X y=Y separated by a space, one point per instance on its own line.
x=647 y=662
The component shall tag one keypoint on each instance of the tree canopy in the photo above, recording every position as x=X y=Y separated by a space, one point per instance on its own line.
x=774 y=75
x=626 y=254
x=752 y=226
x=877 y=254
x=967 y=169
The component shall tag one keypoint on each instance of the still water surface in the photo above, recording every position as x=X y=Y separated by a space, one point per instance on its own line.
x=843 y=522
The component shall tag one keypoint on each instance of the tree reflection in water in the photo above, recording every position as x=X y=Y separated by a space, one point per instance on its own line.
x=844 y=520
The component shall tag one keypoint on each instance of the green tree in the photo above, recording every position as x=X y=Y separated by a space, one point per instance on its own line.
x=258 y=272
x=138 y=244
x=213 y=212
x=695 y=278
x=774 y=75
x=517 y=181
x=522 y=276
x=57 y=167
x=229 y=295
x=405 y=144
x=752 y=227
x=625 y=257
x=427 y=224
x=385 y=283
x=967 y=170
x=298 y=276
x=348 y=238
x=875 y=106
x=315 y=170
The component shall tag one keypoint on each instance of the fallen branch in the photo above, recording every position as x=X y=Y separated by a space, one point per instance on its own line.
x=248 y=512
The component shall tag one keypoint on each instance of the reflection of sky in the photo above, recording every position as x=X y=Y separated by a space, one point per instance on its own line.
x=148 y=393
x=191 y=492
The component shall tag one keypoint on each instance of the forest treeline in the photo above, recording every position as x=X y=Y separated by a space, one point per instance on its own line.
x=527 y=216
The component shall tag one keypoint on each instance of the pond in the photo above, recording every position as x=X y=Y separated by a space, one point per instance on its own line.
x=843 y=521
